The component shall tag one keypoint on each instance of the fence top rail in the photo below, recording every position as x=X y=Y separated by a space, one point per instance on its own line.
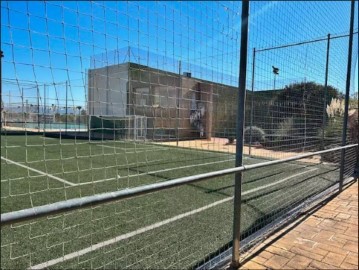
x=88 y=201
x=302 y=43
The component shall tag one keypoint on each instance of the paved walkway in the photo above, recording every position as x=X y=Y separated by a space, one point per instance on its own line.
x=326 y=238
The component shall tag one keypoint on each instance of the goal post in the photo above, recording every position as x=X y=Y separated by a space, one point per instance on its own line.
x=130 y=127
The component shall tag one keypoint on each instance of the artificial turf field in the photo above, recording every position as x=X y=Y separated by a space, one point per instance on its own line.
x=174 y=228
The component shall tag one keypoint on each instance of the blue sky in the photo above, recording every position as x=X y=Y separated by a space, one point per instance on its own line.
x=53 y=42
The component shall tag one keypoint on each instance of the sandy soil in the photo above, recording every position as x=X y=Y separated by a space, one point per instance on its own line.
x=220 y=144
x=215 y=144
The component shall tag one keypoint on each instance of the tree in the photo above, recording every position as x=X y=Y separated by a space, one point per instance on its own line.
x=84 y=117
x=353 y=127
x=57 y=117
x=353 y=101
x=304 y=99
x=304 y=103
x=312 y=90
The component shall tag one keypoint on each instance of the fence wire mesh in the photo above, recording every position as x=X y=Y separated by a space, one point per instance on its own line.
x=99 y=97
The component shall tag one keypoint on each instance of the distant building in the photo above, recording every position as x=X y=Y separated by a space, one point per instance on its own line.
x=46 y=118
x=163 y=104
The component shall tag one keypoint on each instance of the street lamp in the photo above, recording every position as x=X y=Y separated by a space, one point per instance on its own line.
x=53 y=108
x=275 y=72
x=79 y=108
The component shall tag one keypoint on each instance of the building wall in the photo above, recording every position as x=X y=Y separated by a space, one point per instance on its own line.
x=173 y=105
x=107 y=91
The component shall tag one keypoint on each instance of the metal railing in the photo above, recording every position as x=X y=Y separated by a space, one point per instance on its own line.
x=88 y=201
x=99 y=199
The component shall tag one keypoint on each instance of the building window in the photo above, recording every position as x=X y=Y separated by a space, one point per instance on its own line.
x=165 y=96
x=142 y=96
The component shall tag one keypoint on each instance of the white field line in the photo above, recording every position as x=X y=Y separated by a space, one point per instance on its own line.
x=126 y=236
x=277 y=182
x=153 y=172
x=39 y=172
x=164 y=170
x=199 y=151
x=132 y=152
x=10 y=146
x=148 y=228
x=49 y=138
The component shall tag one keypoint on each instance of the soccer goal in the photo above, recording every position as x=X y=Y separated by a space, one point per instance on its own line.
x=129 y=127
x=139 y=127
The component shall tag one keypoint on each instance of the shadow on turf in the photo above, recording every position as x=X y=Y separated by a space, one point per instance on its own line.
x=219 y=190
x=305 y=214
x=208 y=190
x=158 y=175
x=259 y=224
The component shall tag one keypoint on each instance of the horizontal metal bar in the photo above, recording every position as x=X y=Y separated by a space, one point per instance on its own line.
x=88 y=201
x=302 y=43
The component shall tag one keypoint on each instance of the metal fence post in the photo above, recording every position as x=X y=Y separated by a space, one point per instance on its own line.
x=325 y=90
x=66 y=112
x=44 y=109
x=239 y=133
x=38 y=107
x=356 y=170
x=178 y=101
x=252 y=98
x=22 y=108
x=347 y=91
x=357 y=163
x=2 y=104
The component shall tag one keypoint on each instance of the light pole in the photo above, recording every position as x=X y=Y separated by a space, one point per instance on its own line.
x=275 y=72
x=2 y=104
x=44 y=110
x=79 y=108
x=66 y=112
x=177 y=99
x=38 y=108
x=53 y=108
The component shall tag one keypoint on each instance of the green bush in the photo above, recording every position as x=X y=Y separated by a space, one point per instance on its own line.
x=332 y=136
x=258 y=135
x=230 y=134
x=334 y=129
x=285 y=129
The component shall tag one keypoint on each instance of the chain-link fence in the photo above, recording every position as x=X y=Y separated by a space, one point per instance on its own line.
x=305 y=114
x=166 y=134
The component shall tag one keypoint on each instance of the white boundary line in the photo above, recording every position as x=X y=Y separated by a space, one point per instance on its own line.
x=49 y=138
x=152 y=172
x=150 y=227
x=164 y=170
x=39 y=172
x=277 y=182
x=199 y=151
x=126 y=236
x=149 y=149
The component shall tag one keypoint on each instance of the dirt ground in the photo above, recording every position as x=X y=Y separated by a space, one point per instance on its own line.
x=221 y=144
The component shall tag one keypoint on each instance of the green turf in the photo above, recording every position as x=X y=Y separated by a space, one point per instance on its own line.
x=178 y=244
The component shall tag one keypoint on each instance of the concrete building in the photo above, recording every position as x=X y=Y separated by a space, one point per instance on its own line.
x=156 y=104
